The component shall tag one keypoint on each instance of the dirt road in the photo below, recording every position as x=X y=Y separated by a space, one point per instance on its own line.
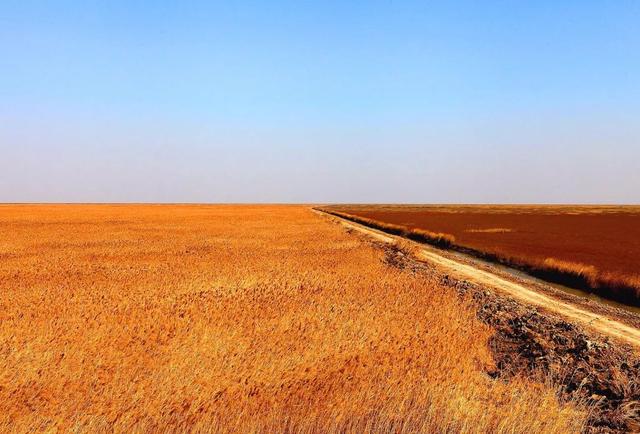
x=596 y=321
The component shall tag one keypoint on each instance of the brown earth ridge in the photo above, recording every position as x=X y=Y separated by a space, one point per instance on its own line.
x=542 y=345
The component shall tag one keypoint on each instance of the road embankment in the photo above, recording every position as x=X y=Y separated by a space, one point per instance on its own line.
x=589 y=350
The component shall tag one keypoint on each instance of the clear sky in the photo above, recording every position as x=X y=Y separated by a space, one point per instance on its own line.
x=320 y=101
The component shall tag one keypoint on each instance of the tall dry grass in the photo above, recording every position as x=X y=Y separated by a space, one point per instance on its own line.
x=614 y=286
x=436 y=238
x=237 y=319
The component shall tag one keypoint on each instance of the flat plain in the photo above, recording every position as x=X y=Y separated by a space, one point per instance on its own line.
x=592 y=247
x=238 y=319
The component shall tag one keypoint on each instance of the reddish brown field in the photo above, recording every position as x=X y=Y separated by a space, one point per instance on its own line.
x=593 y=247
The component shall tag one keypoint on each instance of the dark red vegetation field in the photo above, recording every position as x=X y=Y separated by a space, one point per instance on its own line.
x=589 y=247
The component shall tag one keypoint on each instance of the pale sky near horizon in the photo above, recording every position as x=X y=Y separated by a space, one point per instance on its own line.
x=333 y=101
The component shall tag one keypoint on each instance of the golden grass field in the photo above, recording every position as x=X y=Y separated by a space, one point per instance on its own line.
x=237 y=319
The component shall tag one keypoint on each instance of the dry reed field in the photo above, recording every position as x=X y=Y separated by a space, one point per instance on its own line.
x=595 y=248
x=238 y=319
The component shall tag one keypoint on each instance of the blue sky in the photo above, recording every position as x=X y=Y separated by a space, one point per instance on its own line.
x=376 y=101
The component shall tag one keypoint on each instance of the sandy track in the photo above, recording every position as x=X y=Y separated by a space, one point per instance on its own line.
x=597 y=322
